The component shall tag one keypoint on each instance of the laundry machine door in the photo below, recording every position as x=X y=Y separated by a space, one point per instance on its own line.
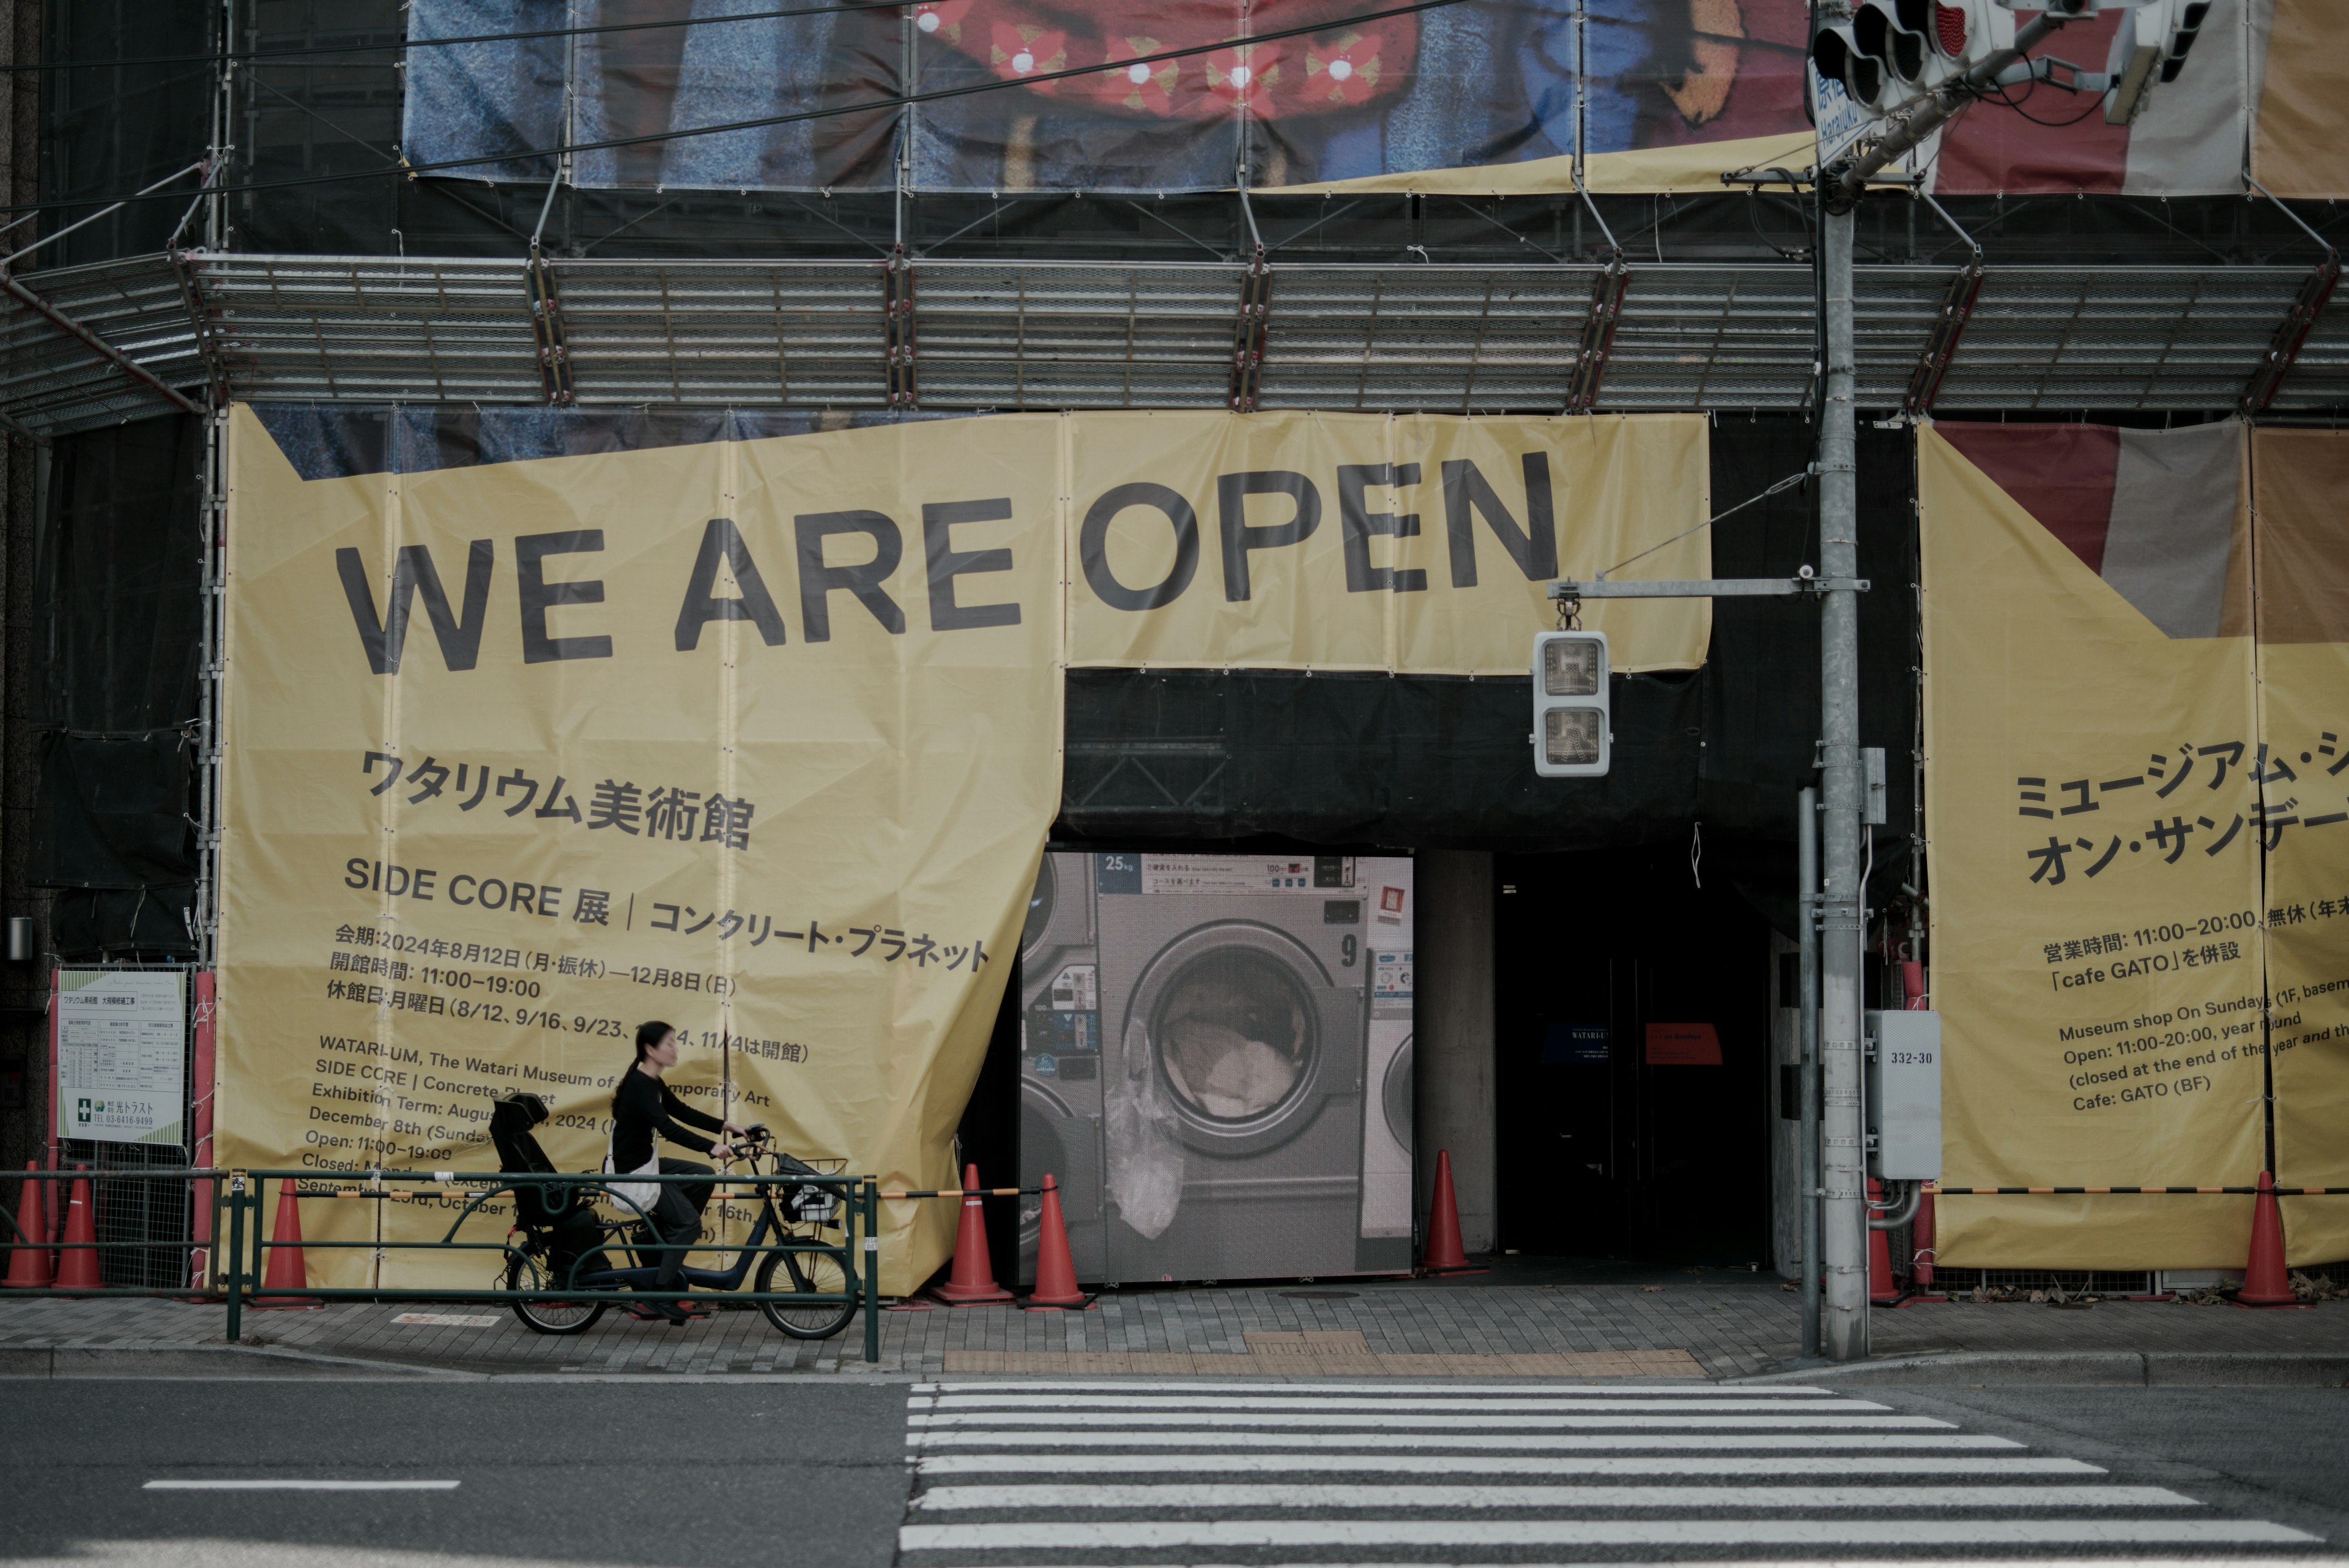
x=1247 y=1037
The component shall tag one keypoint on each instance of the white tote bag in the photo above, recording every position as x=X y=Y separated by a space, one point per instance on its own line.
x=643 y=1194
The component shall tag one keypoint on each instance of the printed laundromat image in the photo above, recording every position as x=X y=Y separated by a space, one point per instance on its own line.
x=1216 y=1061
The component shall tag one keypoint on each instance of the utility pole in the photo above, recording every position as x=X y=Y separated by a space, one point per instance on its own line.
x=1843 y=1176
x=1841 y=897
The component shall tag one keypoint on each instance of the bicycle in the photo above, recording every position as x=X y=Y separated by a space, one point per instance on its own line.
x=813 y=1270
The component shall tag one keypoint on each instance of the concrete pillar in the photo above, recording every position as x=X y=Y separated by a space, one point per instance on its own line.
x=1452 y=1069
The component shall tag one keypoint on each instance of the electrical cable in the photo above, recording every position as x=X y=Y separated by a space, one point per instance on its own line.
x=870 y=106
x=1788 y=482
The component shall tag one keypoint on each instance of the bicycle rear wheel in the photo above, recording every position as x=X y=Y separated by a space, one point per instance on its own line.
x=809 y=1273
x=524 y=1273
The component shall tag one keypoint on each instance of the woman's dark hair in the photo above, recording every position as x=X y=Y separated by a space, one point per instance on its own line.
x=649 y=1036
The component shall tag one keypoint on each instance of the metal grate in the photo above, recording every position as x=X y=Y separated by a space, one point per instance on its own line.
x=1109 y=337
x=143 y=1227
x=1019 y=335
x=2073 y=1281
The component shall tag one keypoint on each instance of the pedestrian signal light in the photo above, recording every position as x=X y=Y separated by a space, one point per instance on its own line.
x=1571 y=738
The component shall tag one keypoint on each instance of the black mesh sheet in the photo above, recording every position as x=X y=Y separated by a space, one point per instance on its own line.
x=1432 y=762
x=111 y=128
x=121 y=567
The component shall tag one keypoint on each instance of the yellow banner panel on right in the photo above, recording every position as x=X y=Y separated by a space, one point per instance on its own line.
x=2096 y=854
x=2300 y=478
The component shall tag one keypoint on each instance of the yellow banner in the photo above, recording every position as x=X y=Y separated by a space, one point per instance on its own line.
x=760 y=738
x=2300 y=477
x=1417 y=543
x=2093 y=819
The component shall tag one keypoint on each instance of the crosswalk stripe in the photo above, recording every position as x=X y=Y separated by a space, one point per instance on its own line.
x=1139 y=1470
x=1248 y=1402
x=1219 y=1419
x=1693 y=1387
x=1227 y=1495
x=1494 y=1465
x=1461 y=1533
x=1530 y=1442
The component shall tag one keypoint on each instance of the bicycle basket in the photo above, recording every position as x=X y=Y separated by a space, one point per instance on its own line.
x=811 y=1205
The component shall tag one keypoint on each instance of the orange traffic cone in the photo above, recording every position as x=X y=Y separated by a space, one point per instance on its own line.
x=1444 y=1254
x=1882 y=1290
x=1056 y=1271
x=287 y=1269
x=2265 y=1283
x=32 y=1266
x=77 y=1259
x=973 y=1282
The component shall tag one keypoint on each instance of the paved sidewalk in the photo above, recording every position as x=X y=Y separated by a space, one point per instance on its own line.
x=1527 y=1317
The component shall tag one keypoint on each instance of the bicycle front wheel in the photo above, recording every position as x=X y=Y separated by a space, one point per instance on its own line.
x=524 y=1272
x=807 y=1273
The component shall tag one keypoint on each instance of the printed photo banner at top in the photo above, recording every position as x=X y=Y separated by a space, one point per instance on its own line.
x=2095 y=817
x=1423 y=543
x=2263 y=85
x=1486 y=97
x=759 y=737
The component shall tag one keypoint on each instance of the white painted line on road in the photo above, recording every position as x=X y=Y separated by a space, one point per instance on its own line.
x=1496 y=1465
x=262 y=1484
x=1308 y=1402
x=1227 y=1496
x=2297 y=1560
x=1526 y=1442
x=1244 y=1385
x=1459 y=1533
x=1512 y=1421
x=451 y=1319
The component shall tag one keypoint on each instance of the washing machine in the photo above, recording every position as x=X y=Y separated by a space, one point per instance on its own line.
x=1234 y=1010
x=1060 y=1061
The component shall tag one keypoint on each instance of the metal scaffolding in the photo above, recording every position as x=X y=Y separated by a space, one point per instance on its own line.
x=996 y=336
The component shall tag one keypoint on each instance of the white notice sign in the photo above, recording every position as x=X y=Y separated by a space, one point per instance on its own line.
x=122 y=1046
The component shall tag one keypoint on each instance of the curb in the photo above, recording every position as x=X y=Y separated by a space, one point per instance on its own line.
x=2097 y=1368
x=252 y=1363
x=204 y=1361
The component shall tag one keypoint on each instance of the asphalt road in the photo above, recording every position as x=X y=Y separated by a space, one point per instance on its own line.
x=2267 y=1453
x=816 y=1472
x=769 y=1473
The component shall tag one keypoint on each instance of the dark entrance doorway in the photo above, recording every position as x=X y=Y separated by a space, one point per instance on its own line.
x=1632 y=1043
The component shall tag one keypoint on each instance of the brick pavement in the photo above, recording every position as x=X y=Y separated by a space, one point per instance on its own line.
x=1624 y=1324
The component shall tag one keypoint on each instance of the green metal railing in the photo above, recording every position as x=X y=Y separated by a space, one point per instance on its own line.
x=229 y=1258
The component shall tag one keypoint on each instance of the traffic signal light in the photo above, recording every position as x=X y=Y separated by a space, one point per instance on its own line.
x=1836 y=55
x=1571 y=734
x=1887 y=52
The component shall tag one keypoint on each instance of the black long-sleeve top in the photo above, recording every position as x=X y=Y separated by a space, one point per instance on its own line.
x=643 y=1105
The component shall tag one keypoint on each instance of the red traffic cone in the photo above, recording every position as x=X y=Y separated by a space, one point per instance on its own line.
x=287 y=1269
x=2265 y=1283
x=77 y=1260
x=32 y=1266
x=973 y=1282
x=1881 y=1289
x=1444 y=1254
x=1056 y=1272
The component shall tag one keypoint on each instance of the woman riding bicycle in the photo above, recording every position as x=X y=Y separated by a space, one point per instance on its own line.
x=644 y=1105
